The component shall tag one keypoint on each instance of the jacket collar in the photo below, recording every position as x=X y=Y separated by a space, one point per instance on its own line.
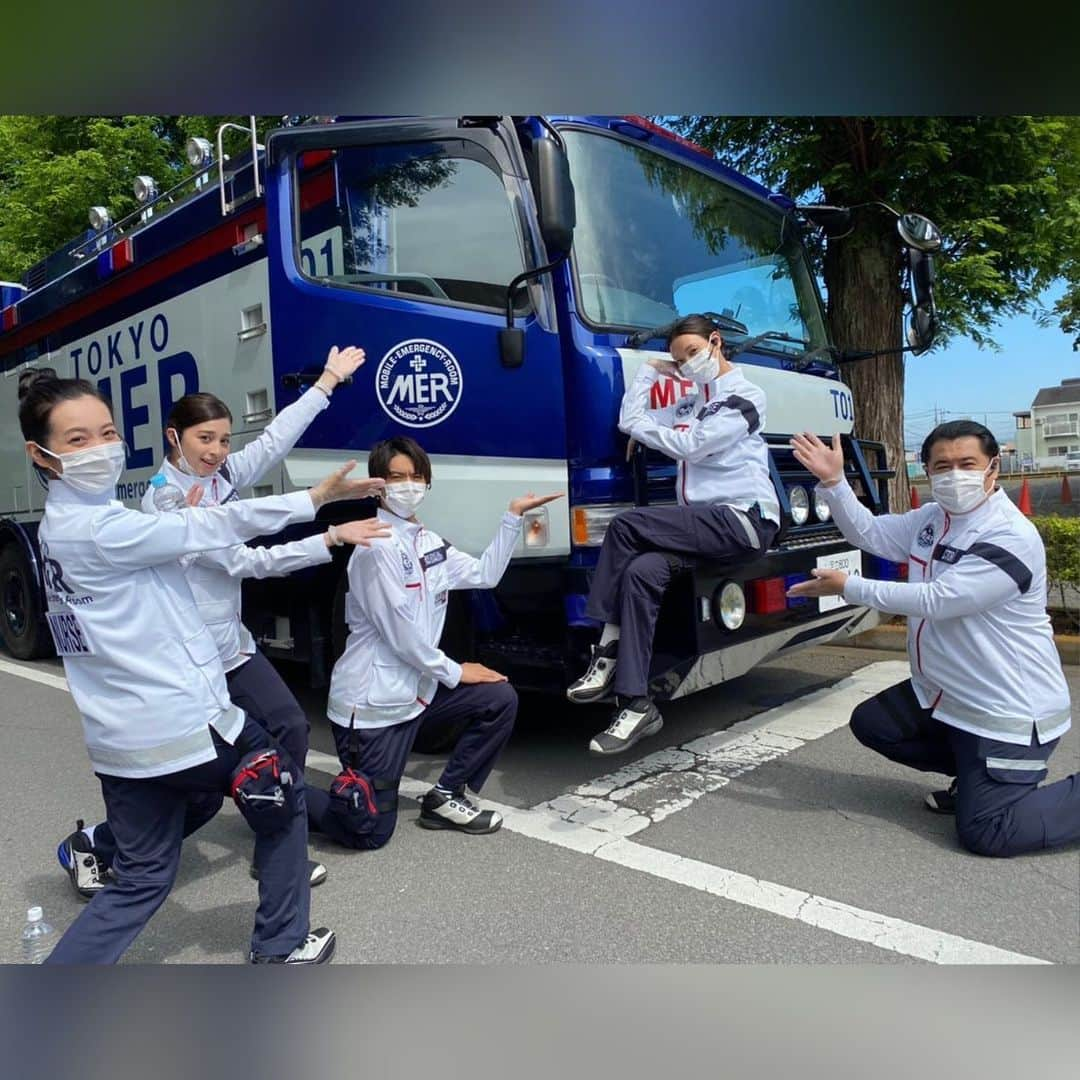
x=64 y=494
x=398 y=524
x=981 y=516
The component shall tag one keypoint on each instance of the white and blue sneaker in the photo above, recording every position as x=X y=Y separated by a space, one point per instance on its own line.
x=88 y=874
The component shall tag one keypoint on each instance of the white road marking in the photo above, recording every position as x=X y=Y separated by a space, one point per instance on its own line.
x=591 y=820
x=33 y=675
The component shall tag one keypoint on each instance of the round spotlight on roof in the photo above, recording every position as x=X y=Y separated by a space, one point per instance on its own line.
x=145 y=189
x=100 y=218
x=199 y=152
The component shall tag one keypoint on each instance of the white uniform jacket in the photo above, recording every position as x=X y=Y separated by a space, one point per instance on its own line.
x=395 y=609
x=979 y=639
x=216 y=576
x=142 y=667
x=715 y=436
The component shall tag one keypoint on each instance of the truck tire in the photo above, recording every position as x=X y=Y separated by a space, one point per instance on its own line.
x=21 y=618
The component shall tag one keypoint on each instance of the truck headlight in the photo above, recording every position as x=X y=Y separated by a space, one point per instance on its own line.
x=800 y=504
x=821 y=507
x=731 y=604
x=590 y=523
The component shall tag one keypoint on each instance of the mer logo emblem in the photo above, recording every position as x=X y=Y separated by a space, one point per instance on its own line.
x=418 y=383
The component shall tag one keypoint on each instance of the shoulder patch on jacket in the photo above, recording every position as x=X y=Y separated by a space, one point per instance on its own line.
x=743 y=405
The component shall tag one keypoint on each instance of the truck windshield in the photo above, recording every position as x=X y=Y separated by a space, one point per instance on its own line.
x=656 y=239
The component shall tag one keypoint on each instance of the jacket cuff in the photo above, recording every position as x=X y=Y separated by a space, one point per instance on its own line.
x=453 y=674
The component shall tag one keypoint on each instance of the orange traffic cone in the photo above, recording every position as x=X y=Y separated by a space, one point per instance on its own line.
x=1025 y=499
x=916 y=502
x=1066 y=494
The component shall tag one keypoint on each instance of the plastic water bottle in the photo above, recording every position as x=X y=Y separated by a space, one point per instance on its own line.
x=166 y=496
x=38 y=937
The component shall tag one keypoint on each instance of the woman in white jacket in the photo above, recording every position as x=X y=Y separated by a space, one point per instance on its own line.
x=145 y=674
x=199 y=430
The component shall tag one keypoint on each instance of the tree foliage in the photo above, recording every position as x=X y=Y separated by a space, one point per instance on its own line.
x=54 y=168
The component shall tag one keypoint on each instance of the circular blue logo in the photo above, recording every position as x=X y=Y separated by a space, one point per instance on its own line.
x=418 y=383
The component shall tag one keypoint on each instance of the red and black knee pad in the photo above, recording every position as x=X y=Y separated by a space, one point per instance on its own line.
x=262 y=788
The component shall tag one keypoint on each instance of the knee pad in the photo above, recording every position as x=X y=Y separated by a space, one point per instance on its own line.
x=263 y=789
x=357 y=801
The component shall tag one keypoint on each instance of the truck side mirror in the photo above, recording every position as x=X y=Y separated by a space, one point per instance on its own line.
x=555 y=196
x=918 y=232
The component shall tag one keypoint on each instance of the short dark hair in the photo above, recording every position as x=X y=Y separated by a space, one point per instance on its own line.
x=40 y=391
x=700 y=325
x=960 y=429
x=194 y=409
x=378 y=463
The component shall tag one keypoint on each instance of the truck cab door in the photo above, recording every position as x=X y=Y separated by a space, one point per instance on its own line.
x=401 y=237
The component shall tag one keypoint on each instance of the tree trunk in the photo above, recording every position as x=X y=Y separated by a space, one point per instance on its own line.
x=863 y=276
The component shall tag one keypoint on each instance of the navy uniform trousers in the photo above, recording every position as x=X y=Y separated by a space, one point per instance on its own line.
x=258 y=689
x=643 y=550
x=1000 y=809
x=146 y=822
x=476 y=720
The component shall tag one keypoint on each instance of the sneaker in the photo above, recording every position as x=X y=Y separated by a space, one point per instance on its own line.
x=315 y=869
x=86 y=871
x=456 y=811
x=593 y=685
x=317 y=948
x=942 y=802
x=635 y=720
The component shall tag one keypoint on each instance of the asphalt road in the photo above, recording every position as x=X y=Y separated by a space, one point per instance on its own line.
x=753 y=828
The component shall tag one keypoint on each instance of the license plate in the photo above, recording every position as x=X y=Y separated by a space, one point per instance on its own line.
x=848 y=561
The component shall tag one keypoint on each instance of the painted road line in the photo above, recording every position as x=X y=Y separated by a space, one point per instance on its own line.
x=33 y=675
x=857 y=924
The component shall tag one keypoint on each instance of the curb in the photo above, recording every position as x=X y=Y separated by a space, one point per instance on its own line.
x=893 y=638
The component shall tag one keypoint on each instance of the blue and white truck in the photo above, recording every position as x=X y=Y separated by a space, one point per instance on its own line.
x=506 y=276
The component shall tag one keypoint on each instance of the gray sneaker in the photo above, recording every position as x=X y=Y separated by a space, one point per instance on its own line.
x=635 y=720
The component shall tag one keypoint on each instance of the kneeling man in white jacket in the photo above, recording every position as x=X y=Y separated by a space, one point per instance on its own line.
x=394 y=686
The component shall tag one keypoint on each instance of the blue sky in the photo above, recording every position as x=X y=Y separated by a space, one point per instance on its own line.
x=964 y=380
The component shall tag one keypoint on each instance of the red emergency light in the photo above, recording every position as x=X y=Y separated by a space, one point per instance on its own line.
x=123 y=255
x=10 y=317
x=657 y=129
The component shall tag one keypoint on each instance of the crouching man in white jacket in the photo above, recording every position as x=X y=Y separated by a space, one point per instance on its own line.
x=393 y=686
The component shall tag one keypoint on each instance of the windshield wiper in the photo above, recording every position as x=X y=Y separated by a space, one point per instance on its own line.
x=769 y=335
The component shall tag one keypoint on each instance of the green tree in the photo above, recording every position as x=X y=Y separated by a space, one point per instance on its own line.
x=54 y=168
x=1005 y=192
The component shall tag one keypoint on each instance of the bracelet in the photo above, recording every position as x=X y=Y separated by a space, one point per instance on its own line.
x=318 y=383
x=336 y=540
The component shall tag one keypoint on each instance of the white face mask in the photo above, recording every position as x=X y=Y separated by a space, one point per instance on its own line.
x=701 y=367
x=403 y=498
x=92 y=471
x=960 y=490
